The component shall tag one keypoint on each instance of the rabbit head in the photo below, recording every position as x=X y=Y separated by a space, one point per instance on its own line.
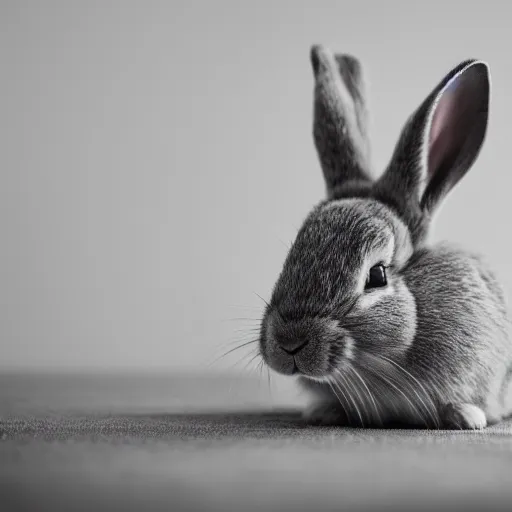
x=343 y=286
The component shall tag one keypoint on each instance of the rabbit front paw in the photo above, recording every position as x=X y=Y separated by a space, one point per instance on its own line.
x=463 y=417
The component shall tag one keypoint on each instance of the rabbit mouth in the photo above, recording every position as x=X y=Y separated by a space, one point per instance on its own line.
x=306 y=346
x=315 y=359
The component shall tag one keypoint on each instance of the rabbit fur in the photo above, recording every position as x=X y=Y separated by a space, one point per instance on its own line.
x=429 y=346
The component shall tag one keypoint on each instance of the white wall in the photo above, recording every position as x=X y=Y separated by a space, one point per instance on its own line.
x=156 y=157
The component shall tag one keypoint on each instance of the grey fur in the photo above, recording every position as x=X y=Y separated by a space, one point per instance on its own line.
x=431 y=348
x=340 y=125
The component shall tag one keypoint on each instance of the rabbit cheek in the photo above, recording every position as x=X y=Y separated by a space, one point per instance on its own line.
x=385 y=320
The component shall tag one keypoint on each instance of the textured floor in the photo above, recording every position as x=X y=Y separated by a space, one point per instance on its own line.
x=148 y=443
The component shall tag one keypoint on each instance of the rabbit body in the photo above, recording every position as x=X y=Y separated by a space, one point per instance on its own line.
x=457 y=370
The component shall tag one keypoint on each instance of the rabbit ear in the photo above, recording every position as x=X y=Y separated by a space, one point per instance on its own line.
x=340 y=118
x=441 y=141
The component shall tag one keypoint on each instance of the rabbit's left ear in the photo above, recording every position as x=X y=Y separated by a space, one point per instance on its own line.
x=340 y=120
x=441 y=140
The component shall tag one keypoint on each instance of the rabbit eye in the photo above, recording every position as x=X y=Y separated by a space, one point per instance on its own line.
x=376 y=277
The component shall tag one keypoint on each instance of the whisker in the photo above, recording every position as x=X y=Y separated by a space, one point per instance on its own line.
x=440 y=392
x=331 y=382
x=264 y=301
x=362 y=402
x=241 y=340
x=287 y=245
x=350 y=396
x=241 y=335
x=232 y=366
x=260 y=370
x=251 y=360
x=360 y=399
x=382 y=388
x=251 y=328
x=247 y=343
x=231 y=351
x=434 y=408
x=357 y=374
x=413 y=406
x=257 y=369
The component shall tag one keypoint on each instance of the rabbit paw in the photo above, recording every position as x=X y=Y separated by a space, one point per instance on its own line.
x=325 y=413
x=463 y=417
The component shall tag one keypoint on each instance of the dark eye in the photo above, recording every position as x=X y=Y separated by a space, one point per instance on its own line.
x=376 y=277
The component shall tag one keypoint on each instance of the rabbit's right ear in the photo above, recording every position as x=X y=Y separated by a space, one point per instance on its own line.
x=340 y=120
x=438 y=145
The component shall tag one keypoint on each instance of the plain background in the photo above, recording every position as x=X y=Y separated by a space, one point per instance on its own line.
x=156 y=159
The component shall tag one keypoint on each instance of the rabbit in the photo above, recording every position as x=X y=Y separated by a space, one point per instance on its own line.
x=380 y=327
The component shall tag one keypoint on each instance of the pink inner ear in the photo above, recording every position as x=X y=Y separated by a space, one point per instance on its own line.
x=443 y=130
x=452 y=126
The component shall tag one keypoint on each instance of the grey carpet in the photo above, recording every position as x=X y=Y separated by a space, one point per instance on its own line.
x=188 y=443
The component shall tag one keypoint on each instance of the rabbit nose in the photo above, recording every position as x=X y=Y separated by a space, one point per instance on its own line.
x=291 y=345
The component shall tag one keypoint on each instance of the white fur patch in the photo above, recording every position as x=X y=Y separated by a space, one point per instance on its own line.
x=348 y=351
x=368 y=300
x=330 y=326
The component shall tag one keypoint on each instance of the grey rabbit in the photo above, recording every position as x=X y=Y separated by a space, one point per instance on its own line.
x=380 y=327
